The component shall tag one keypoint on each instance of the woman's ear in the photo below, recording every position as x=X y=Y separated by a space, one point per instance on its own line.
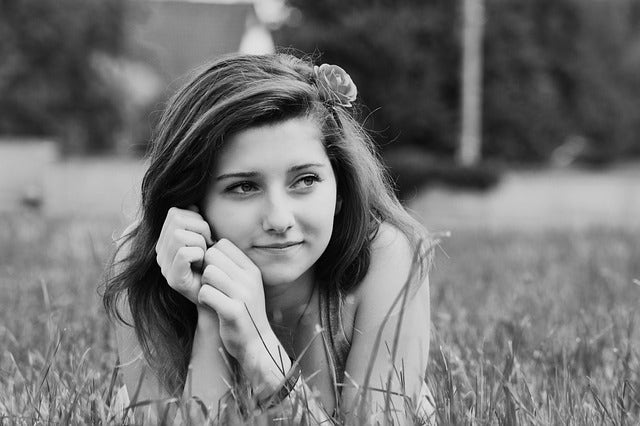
x=338 y=205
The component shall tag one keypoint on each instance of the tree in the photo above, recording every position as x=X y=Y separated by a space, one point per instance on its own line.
x=552 y=70
x=49 y=81
x=402 y=56
x=471 y=80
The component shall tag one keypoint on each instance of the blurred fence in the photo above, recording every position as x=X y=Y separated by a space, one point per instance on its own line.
x=536 y=199
x=94 y=187
x=33 y=177
x=23 y=165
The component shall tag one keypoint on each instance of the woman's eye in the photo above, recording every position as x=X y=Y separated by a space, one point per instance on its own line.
x=306 y=181
x=242 y=188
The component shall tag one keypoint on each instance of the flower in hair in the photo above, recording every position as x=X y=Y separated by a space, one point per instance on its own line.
x=335 y=85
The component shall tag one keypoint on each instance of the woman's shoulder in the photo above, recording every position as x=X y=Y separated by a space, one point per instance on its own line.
x=391 y=261
x=389 y=237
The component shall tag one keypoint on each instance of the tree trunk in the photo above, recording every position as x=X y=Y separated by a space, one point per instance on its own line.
x=471 y=81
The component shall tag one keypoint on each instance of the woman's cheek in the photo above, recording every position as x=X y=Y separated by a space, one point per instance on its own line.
x=230 y=221
x=321 y=212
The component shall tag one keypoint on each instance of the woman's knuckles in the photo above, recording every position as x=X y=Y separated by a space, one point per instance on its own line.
x=177 y=236
x=203 y=295
x=188 y=254
x=213 y=254
x=211 y=275
x=174 y=214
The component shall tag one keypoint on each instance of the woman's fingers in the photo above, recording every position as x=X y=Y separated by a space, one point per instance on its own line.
x=181 y=276
x=215 y=256
x=199 y=225
x=184 y=238
x=232 y=252
x=184 y=257
x=180 y=250
x=187 y=220
x=219 y=302
x=216 y=277
x=166 y=250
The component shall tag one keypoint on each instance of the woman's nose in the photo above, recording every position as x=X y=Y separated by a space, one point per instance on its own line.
x=278 y=216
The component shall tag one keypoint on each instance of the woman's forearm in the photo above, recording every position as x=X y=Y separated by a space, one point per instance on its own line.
x=265 y=366
x=276 y=381
x=209 y=376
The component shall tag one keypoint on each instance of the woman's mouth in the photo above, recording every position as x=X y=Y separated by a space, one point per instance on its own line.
x=279 y=247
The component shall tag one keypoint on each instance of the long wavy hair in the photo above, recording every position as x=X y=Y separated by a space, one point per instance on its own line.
x=224 y=97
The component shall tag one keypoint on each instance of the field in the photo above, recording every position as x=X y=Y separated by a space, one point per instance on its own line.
x=528 y=327
x=537 y=328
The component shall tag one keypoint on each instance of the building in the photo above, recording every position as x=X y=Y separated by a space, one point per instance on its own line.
x=170 y=38
x=175 y=36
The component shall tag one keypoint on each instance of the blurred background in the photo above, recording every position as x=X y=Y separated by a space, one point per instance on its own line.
x=489 y=113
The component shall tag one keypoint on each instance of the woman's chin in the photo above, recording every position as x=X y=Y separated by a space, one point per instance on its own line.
x=272 y=280
x=277 y=276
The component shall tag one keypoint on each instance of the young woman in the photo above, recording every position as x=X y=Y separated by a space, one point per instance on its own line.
x=272 y=252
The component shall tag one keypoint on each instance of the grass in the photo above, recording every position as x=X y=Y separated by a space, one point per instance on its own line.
x=537 y=328
x=528 y=328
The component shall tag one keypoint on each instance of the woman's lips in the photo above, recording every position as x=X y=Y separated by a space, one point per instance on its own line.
x=279 y=247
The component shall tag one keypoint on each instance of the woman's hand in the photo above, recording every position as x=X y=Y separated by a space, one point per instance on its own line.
x=232 y=286
x=181 y=249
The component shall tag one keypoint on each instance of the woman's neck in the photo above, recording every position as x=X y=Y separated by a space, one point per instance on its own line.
x=286 y=302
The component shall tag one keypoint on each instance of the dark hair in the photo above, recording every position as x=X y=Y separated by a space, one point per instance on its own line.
x=229 y=95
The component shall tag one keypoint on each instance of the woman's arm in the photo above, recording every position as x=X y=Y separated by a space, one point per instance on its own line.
x=231 y=310
x=140 y=382
x=232 y=287
x=209 y=375
x=139 y=379
x=388 y=355
x=227 y=289
x=209 y=378
x=180 y=250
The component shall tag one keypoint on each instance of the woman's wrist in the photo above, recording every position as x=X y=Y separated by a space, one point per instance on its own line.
x=208 y=321
x=290 y=383
x=265 y=364
x=209 y=374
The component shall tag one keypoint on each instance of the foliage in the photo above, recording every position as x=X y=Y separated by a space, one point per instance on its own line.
x=553 y=69
x=50 y=82
x=529 y=328
x=400 y=56
x=411 y=169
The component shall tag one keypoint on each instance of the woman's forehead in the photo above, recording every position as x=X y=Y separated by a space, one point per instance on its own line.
x=279 y=146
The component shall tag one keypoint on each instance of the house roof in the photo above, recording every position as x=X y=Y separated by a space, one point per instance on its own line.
x=181 y=35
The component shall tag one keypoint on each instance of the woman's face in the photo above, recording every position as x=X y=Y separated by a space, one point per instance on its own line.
x=273 y=194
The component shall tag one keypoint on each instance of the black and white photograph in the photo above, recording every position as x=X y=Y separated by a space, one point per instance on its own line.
x=326 y=212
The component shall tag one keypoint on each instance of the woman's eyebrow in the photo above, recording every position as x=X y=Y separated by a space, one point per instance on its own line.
x=237 y=175
x=304 y=166
x=256 y=174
